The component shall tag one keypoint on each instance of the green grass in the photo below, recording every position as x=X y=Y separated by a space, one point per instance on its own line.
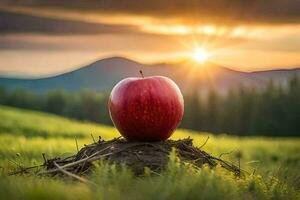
x=24 y=135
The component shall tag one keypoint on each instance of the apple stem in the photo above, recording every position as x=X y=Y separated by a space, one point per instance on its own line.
x=141 y=72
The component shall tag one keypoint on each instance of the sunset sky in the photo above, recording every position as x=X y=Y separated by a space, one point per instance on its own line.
x=42 y=37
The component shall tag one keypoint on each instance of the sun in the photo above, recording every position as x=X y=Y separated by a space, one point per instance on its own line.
x=200 y=55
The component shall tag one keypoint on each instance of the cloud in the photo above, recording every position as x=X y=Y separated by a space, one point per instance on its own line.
x=193 y=11
x=22 y=23
x=33 y=31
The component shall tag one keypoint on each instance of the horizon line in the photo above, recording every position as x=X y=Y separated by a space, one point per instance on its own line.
x=9 y=75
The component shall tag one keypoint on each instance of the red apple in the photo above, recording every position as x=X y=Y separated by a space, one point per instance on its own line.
x=146 y=109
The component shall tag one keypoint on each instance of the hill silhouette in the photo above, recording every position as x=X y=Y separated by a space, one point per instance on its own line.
x=102 y=75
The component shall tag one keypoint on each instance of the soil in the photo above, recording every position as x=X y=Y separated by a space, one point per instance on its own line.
x=135 y=155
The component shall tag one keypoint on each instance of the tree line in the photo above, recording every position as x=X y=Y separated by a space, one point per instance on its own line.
x=273 y=111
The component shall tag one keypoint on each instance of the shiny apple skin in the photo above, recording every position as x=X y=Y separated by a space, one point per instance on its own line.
x=146 y=109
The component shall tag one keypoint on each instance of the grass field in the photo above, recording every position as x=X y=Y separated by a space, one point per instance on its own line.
x=24 y=135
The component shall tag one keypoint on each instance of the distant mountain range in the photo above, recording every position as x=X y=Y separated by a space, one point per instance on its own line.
x=102 y=75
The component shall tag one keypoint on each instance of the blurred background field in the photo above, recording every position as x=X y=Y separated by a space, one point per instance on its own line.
x=25 y=135
x=273 y=110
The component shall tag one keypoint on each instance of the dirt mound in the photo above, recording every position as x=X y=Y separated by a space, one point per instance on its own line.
x=136 y=155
